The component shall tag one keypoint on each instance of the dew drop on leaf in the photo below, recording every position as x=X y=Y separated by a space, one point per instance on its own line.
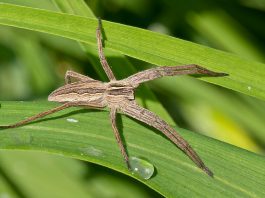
x=141 y=168
x=71 y=120
x=249 y=88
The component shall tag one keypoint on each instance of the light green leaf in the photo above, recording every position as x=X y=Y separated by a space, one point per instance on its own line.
x=244 y=75
x=238 y=173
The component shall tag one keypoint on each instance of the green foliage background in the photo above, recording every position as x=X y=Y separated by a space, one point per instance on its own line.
x=32 y=64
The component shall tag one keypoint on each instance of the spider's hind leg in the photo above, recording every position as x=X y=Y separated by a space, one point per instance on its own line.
x=37 y=116
x=139 y=113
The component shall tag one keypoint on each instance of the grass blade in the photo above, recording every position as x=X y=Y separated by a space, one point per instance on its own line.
x=244 y=75
x=238 y=173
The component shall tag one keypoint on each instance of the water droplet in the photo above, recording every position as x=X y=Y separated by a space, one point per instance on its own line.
x=72 y=120
x=141 y=168
x=249 y=88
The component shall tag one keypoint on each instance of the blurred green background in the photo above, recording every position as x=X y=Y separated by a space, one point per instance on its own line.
x=33 y=64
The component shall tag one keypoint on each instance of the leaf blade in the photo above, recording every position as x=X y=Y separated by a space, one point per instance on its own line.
x=244 y=76
x=91 y=139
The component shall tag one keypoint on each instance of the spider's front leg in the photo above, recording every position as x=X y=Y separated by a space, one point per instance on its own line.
x=148 y=117
x=102 y=57
x=158 y=72
x=71 y=75
x=113 y=113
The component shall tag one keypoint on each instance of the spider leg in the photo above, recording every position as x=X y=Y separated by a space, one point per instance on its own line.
x=148 y=117
x=113 y=112
x=158 y=72
x=102 y=58
x=51 y=111
x=71 y=75
x=40 y=115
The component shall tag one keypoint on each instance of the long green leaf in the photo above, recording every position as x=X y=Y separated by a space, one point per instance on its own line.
x=244 y=76
x=238 y=173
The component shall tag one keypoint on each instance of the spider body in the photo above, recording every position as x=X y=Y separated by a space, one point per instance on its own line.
x=94 y=93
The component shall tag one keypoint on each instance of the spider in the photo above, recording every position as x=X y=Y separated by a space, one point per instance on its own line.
x=118 y=95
